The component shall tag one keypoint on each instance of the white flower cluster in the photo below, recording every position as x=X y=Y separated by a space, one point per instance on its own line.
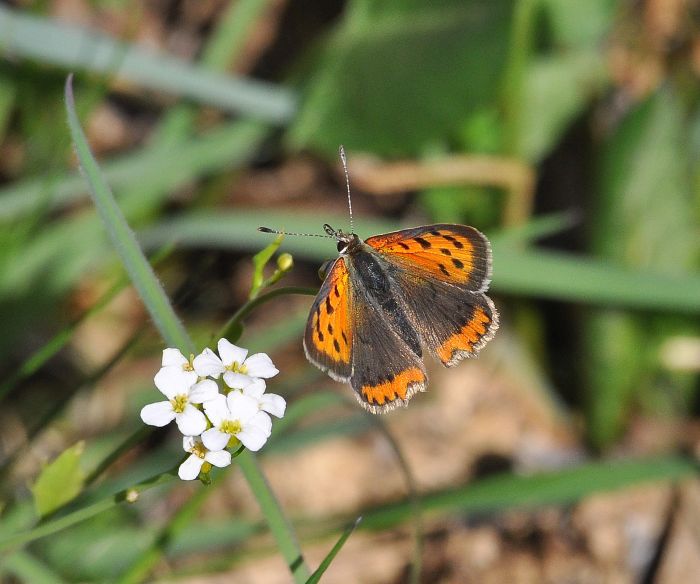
x=211 y=420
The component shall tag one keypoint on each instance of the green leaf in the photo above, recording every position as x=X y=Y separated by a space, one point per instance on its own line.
x=60 y=481
x=316 y=576
x=366 y=92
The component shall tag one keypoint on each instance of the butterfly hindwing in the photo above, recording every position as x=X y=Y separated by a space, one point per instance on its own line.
x=387 y=372
x=449 y=253
x=452 y=321
x=328 y=339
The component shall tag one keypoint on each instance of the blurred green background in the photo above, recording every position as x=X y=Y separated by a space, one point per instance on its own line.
x=567 y=131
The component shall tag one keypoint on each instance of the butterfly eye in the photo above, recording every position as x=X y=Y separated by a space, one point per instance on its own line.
x=342 y=246
x=323 y=270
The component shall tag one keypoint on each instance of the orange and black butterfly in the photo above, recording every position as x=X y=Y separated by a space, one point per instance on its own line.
x=387 y=298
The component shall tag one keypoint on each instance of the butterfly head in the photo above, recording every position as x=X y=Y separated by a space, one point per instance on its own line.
x=347 y=242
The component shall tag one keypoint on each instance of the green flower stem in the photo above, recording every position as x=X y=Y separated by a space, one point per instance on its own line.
x=279 y=526
x=234 y=323
x=55 y=525
x=172 y=331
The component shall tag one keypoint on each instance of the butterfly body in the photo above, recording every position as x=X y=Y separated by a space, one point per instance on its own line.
x=385 y=299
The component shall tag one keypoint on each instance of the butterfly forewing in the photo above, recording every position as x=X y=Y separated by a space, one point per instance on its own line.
x=449 y=253
x=329 y=332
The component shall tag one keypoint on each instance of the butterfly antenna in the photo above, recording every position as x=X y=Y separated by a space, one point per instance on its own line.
x=344 y=160
x=279 y=232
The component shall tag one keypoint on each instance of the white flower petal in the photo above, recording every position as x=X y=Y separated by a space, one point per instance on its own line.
x=242 y=407
x=207 y=364
x=173 y=358
x=255 y=389
x=217 y=410
x=158 y=414
x=220 y=458
x=262 y=422
x=237 y=380
x=215 y=440
x=188 y=442
x=273 y=404
x=260 y=365
x=172 y=381
x=252 y=438
x=230 y=353
x=189 y=470
x=203 y=391
x=191 y=422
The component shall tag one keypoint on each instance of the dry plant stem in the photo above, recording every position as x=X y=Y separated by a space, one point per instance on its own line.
x=510 y=174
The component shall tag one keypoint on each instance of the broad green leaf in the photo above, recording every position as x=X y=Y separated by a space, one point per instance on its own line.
x=398 y=75
x=556 y=90
x=645 y=220
x=60 y=481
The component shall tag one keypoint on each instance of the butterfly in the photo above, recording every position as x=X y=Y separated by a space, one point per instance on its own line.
x=390 y=296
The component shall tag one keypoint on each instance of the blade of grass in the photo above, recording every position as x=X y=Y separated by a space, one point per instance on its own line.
x=27 y=568
x=75 y=48
x=37 y=359
x=529 y=272
x=551 y=488
x=279 y=526
x=172 y=331
x=60 y=523
x=123 y=239
x=154 y=169
x=316 y=576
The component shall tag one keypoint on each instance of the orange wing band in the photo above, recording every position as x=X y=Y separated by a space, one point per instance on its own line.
x=394 y=388
x=468 y=336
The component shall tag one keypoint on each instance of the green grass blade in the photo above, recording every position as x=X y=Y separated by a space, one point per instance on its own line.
x=27 y=568
x=123 y=238
x=153 y=169
x=316 y=576
x=552 y=488
x=526 y=272
x=279 y=526
x=32 y=37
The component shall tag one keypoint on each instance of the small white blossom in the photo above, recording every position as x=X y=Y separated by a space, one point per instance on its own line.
x=181 y=389
x=199 y=454
x=238 y=369
x=268 y=402
x=236 y=415
x=174 y=358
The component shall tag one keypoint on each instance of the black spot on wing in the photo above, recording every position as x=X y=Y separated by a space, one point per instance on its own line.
x=336 y=345
x=443 y=269
x=329 y=308
x=403 y=245
x=445 y=251
x=458 y=264
x=424 y=243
